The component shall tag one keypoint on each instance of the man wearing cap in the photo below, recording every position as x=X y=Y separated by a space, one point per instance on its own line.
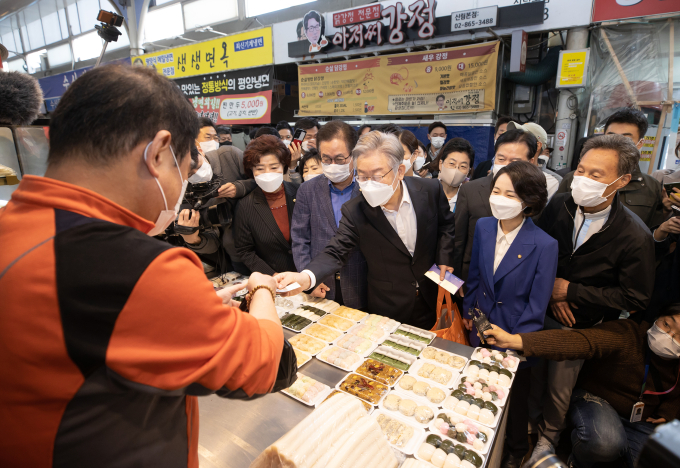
x=552 y=179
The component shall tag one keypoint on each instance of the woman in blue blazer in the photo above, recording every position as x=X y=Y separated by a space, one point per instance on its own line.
x=511 y=278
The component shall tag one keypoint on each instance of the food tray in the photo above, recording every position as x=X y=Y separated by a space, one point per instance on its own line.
x=389 y=328
x=292 y=329
x=302 y=358
x=346 y=369
x=302 y=306
x=418 y=431
x=321 y=396
x=369 y=407
x=412 y=419
x=410 y=329
x=378 y=339
x=420 y=363
x=338 y=311
x=441 y=364
x=500 y=402
x=445 y=406
x=372 y=382
x=406 y=358
x=294 y=340
x=414 y=396
x=364 y=354
x=457 y=418
x=422 y=440
x=372 y=377
x=323 y=304
x=342 y=324
x=476 y=356
x=402 y=340
x=465 y=372
x=309 y=330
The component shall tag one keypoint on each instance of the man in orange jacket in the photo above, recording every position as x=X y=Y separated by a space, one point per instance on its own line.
x=107 y=335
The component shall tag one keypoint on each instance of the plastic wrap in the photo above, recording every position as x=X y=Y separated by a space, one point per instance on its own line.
x=338 y=433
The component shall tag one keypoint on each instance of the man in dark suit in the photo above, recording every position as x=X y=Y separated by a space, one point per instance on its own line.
x=317 y=216
x=402 y=226
x=473 y=197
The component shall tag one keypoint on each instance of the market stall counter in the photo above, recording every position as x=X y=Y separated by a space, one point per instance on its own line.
x=234 y=433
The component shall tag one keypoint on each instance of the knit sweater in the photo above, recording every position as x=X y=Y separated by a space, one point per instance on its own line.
x=615 y=365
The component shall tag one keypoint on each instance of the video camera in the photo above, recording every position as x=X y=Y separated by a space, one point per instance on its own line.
x=108 y=29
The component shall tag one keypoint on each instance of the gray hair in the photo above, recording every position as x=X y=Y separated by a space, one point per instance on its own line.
x=382 y=143
x=629 y=156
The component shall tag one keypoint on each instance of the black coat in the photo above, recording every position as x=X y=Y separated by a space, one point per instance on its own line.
x=612 y=271
x=259 y=241
x=392 y=273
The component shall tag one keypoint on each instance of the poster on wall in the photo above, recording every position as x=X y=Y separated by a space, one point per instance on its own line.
x=242 y=50
x=608 y=10
x=238 y=97
x=461 y=79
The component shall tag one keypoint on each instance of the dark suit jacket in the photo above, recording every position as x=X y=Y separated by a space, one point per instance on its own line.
x=392 y=272
x=313 y=227
x=259 y=241
x=472 y=205
x=516 y=297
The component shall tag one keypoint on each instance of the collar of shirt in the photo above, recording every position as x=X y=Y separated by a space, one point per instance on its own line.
x=453 y=200
x=338 y=191
x=597 y=222
x=405 y=198
x=503 y=243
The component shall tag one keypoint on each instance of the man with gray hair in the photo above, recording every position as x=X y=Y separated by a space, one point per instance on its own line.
x=402 y=225
x=606 y=262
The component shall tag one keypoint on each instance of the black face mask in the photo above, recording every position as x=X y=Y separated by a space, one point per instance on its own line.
x=225 y=143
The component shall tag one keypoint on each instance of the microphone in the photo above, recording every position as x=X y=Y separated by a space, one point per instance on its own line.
x=20 y=98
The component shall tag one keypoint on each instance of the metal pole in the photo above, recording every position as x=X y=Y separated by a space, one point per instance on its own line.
x=101 y=56
x=576 y=39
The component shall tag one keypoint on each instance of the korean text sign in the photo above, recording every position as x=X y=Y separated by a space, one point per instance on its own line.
x=243 y=50
x=461 y=79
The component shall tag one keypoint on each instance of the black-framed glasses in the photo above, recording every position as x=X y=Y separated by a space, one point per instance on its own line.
x=375 y=178
x=340 y=160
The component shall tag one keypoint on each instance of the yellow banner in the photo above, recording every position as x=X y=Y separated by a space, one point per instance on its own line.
x=243 y=50
x=460 y=79
x=573 y=67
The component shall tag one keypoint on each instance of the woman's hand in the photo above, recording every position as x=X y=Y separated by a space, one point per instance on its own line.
x=189 y=218
x=227 y=293
x=672 y=226
x=499 y=337
x=295 y=154
x=656 y=421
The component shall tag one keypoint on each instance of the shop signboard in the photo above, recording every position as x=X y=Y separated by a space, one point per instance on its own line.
x=477 y=18
x=237 y=97
x=242 y=50
x=518 y=51
x=442 y=81
x=609 y=10
x=572 y=70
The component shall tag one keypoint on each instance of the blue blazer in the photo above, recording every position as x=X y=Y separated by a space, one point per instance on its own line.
x=516 y=297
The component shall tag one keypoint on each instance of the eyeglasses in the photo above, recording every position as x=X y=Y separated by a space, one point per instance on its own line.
x=375 y=178
x=337 y=160
x=314 y=28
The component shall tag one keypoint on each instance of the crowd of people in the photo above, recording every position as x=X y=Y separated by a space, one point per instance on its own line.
x=577 y=270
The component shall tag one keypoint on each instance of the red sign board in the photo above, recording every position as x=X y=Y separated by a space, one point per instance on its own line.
x=358 y=15
x=607 y=10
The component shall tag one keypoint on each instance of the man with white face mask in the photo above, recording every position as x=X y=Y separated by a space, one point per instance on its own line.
x=122 y=324
x=402 y=226
x=630 y=374
x=606 y=261
x=436 y=133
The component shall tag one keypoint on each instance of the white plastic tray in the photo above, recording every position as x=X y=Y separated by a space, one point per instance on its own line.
x=346 y=369
x=349 y=324
x=325 y=345
x=321 y=396
x=396 y=354
x=420 y=363
x=499 y=403
x=457 y=418
x=476 y=356
x=410 y=329
x=291 y=329
x=376 y=341
x=388 y=329
x=364 y=354
x=495 y=419
x=512 y=379
x=418 y=431
x=413 y=396
x=412 y=419
x=337 y=386
x=422 y=440
x=335 y=312
x=306 y=356
x=306 y=331
x=433 y=361
x=402 y=340
x=396 y=382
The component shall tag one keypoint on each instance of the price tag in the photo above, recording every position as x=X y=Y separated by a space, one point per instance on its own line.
x=478 y=18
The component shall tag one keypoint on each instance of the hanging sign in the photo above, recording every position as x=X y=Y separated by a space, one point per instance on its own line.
x=461 y=79
x=243 y=50
x=607 y=10
x=572 y=68
x=477 y=18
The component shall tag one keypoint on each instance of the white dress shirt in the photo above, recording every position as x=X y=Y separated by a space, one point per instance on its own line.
x=552 y=184
x=592 y=223
x=452 y=202
x=403 y=220
x=503 y=243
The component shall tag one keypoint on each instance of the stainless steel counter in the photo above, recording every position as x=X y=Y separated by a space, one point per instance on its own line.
x=232 y=433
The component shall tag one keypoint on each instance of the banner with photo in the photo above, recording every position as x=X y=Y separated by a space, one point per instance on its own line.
x=238 y=97
x=242 y=50
x=460 y=79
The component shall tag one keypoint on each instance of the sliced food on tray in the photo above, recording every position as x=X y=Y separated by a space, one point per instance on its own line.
x=397 y=433
x=302 y=358
x=339 y=357
x=493 y=356
x=336 y=322
x=392 y=357
x=313 y=309
x=369 y=332
x=385 y=323
x=295 y=322
x=355 y=343
x=421 y=413
x=379 y=371
x=415 y=333
x=479 y=388
x=404 y=344
x=446 y=453
x=307 y=343
x=306 y=389
x=351 y=314
x=422 y=389
x=490 y=373
x=434 y=372
x=323 y=333
x=463 y=430
x=367 y=406
x=448 y=359
x=475 y=409
x=364 y=388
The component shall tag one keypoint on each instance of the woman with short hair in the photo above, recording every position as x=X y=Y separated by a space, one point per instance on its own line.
x=410 y=144
x=262 y=218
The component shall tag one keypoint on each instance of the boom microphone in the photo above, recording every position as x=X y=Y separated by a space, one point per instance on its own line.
x=20 y=98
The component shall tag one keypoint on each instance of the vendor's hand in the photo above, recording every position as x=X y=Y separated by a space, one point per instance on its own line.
x=422 y=173
x=295 y=154
x=672 y=226
x=656 y=421
x=560 y=290
x=227 y=191
x=290 y=277
x=320 y=291
x=502 y=339
x=562 y=312
x=442 y=271
x=227 y=293
x=189 y=218
x=258 y=279
x=467 y=323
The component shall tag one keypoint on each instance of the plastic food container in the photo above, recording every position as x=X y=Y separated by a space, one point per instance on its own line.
x=357 y=360
x=443 y=358
x=475 y=427
x=415 y=333
x=419 y=404
x=392 y=357
x=308 y=344
x=399 y=342
x=415 y=372
x=418 y=432
x=321 y=396
x=461 y=449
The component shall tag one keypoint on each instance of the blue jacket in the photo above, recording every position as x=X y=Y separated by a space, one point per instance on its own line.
x=517 y=296
x=312 y=227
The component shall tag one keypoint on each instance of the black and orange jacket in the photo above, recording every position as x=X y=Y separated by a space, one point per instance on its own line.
x=108 y=335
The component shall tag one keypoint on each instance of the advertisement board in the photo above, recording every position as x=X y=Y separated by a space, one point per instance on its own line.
x=608 y=10
x=461 y=79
